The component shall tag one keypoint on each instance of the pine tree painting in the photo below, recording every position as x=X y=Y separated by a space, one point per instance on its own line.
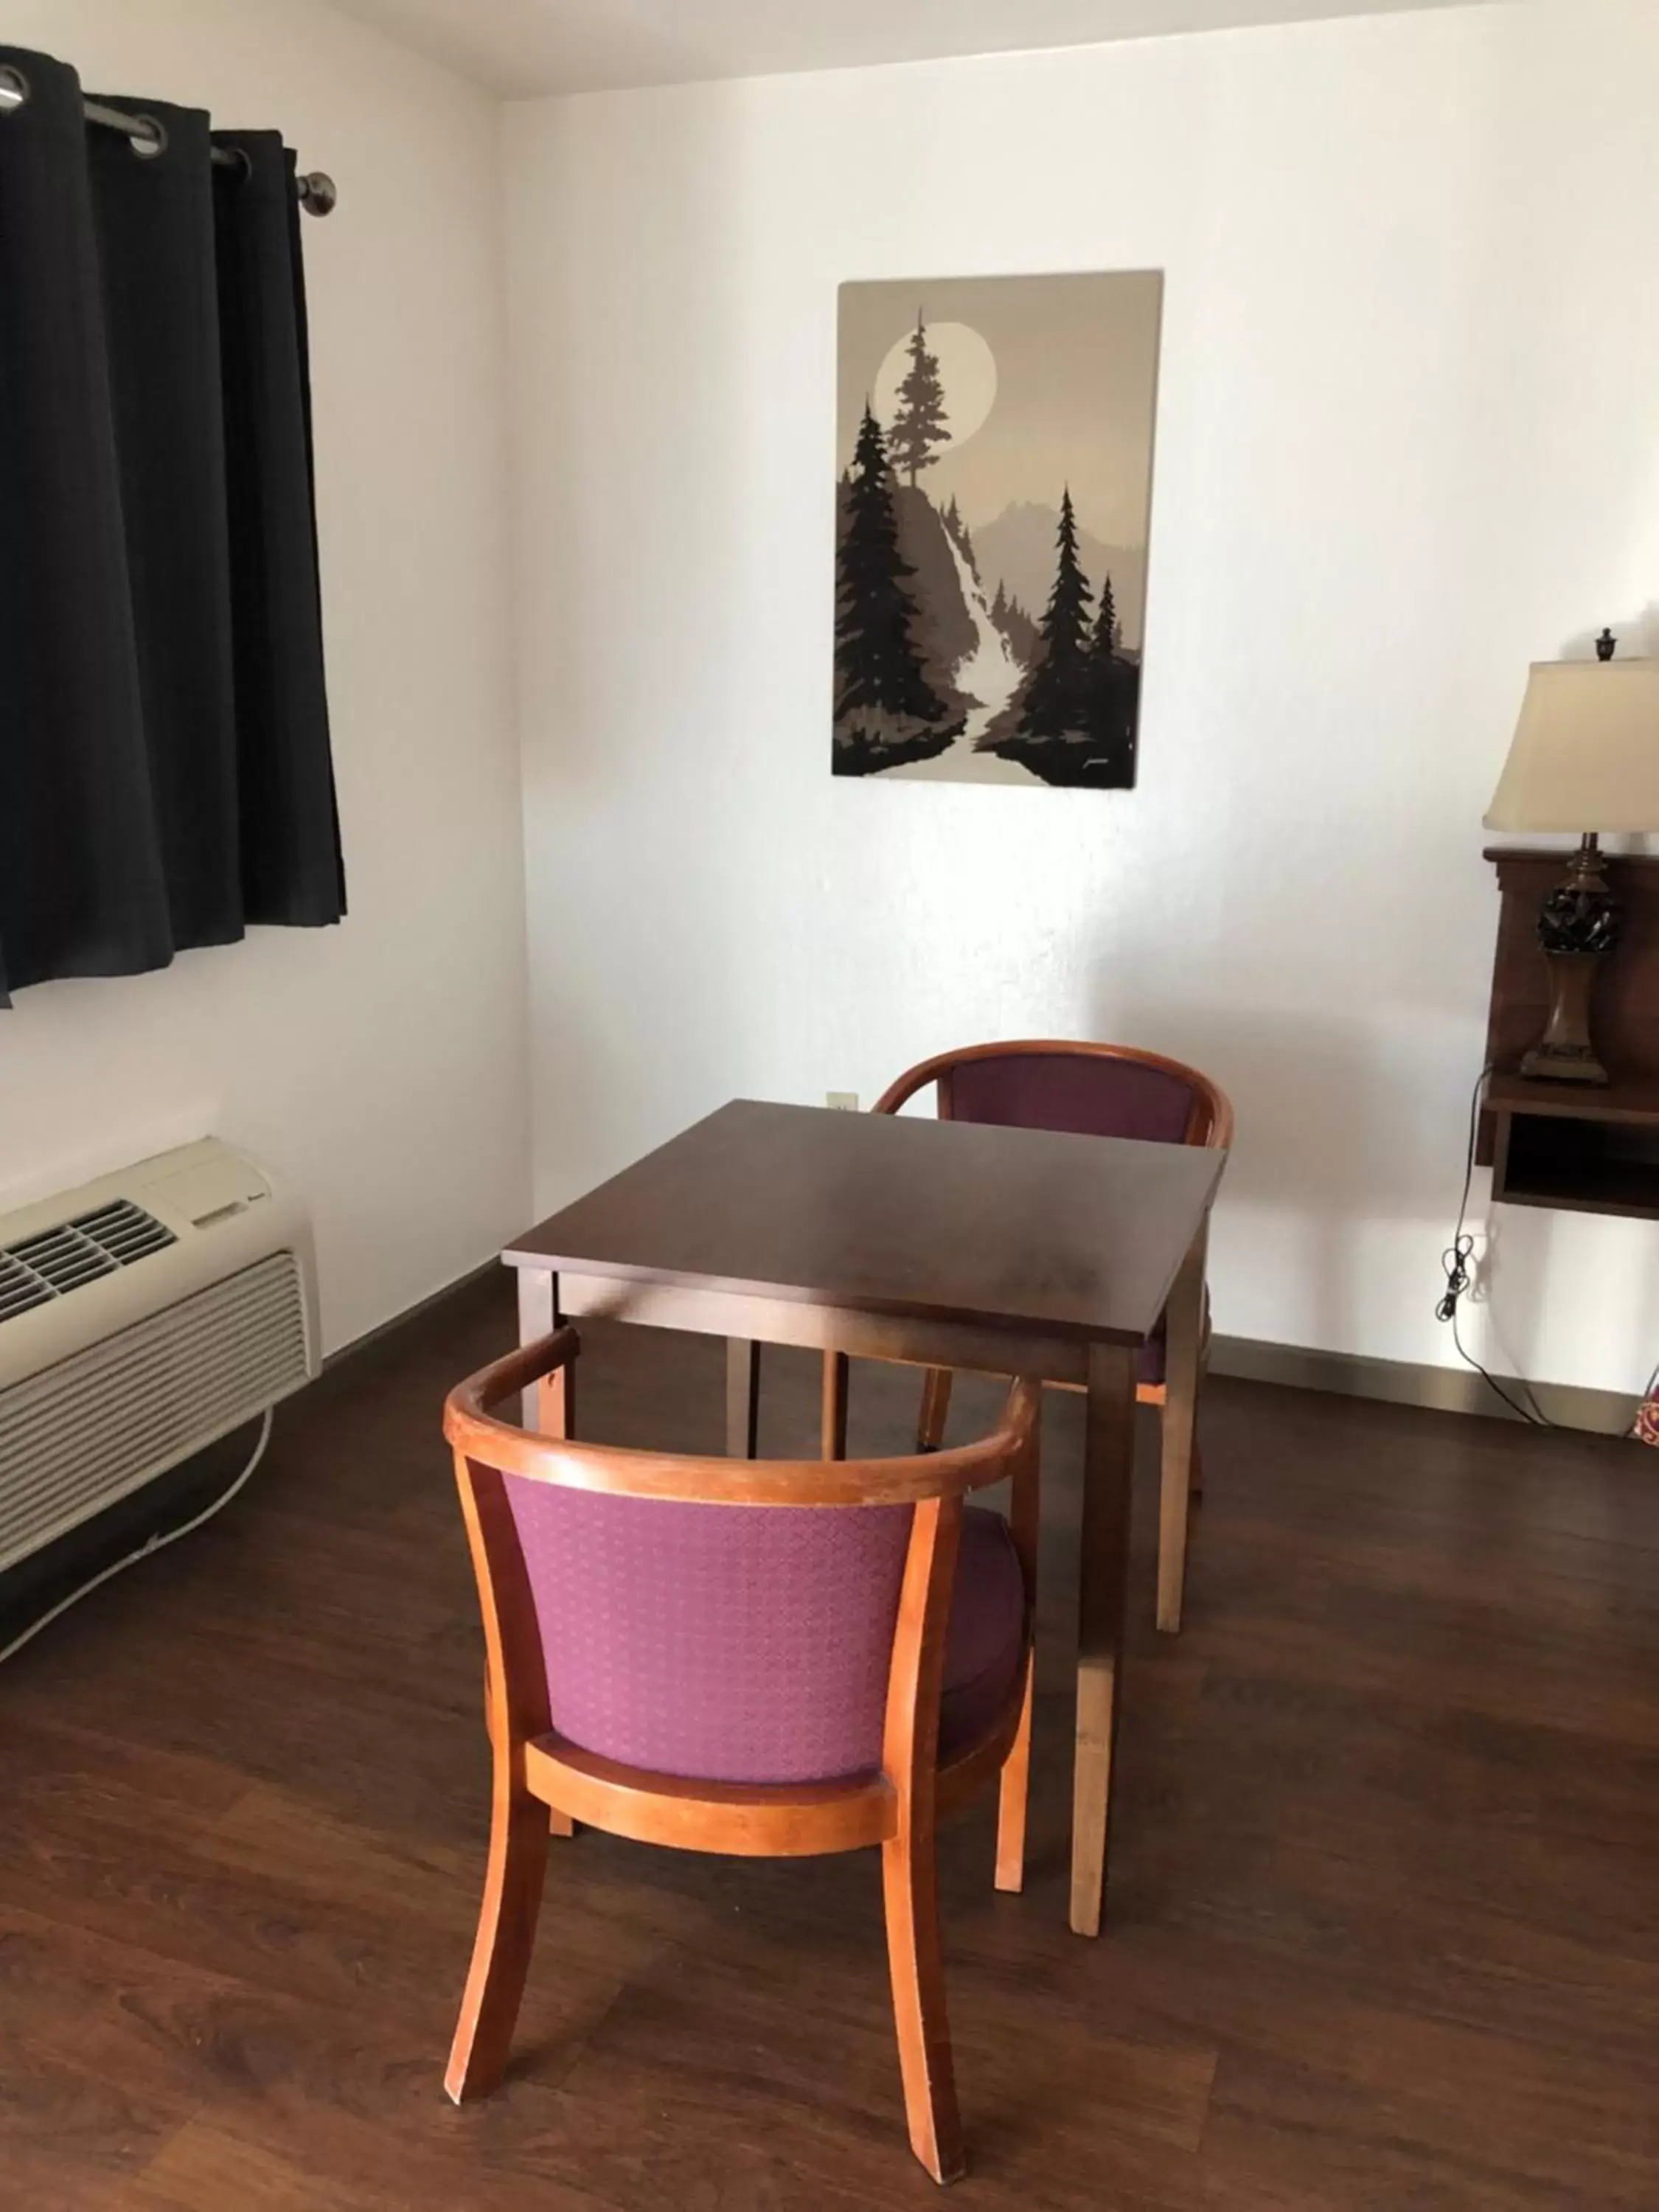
x=995 y=447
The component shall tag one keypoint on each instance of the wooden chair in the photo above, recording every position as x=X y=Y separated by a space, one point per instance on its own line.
x=769 y=1659
x=1092 y=1089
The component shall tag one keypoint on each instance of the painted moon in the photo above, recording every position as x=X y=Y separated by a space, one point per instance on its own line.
x=967 y=370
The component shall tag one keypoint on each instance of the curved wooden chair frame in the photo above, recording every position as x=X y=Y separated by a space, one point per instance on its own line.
x=543 y=1783
x=1209 y=1123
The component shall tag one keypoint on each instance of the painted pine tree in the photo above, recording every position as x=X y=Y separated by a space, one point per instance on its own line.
x=919 y=424
x=1114 y=686
x=1057 y=697
x=1106 y=637
x=877 y=666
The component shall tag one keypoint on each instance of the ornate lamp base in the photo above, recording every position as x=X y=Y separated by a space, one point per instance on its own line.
x=1577 y=926
x=1565 y=1054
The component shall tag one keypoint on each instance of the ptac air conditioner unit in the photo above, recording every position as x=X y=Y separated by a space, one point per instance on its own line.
x=143 y=1317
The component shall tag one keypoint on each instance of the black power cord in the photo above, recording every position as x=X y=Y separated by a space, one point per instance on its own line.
x=1455 y=1262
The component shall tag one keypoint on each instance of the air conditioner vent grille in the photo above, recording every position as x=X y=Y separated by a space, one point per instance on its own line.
x=20 y=1287
x=77 y=1436
x=63 y=1258
x=55 y=1262
x=124 y=1230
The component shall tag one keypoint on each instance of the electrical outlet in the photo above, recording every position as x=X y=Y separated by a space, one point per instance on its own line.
x=846 y=1101
x=1479 y=1264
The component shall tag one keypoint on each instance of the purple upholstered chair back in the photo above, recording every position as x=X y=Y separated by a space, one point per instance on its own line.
x=750 y=1644
x=735 y=1644
x=1086 y=1094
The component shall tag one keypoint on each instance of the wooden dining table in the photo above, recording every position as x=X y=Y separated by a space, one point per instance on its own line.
x=952 y=1245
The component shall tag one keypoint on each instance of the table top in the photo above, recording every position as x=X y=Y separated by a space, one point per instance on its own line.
x=953 y=1221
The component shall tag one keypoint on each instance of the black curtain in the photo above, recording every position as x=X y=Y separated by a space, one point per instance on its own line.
x=165 y=771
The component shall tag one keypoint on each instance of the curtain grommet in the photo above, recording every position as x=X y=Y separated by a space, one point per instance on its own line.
x=14 y=89
x=148 y=137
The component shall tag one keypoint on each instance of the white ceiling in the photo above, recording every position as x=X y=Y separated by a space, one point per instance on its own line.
x=522 y=47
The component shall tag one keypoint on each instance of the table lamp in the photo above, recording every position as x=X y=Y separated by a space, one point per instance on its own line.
x=1585 y=751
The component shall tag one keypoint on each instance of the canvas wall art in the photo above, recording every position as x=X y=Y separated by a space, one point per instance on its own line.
x=994 y=468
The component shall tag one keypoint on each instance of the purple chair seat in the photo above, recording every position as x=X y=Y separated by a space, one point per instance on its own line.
x=1150 y=1360
x=982 y=1649
x=750 y=1643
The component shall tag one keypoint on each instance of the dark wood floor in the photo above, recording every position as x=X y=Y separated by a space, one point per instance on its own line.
x=1384 y=1917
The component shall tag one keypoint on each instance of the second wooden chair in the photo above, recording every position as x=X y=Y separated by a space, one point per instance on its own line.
x=1093 y=1091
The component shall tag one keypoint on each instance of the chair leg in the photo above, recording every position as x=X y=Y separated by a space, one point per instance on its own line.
x=1013 y=1795
x=500 y=1952
x=909 y=1880
x=935 y=1409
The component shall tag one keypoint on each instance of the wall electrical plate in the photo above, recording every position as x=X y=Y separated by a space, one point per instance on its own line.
x=846 y=1101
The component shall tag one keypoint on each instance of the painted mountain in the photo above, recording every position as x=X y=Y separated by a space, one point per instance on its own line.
x=995 y=438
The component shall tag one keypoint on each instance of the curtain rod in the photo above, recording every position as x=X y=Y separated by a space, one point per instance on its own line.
x=318 y=193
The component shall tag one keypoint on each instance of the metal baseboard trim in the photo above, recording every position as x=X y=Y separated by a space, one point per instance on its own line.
x=1407 y=1382
x=1299 y=1367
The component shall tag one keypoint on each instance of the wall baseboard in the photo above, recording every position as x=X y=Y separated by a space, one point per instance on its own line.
x=1298 y=1367
x=1408 y=1382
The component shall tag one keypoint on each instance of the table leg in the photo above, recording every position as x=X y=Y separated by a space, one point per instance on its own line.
x=1183 y=1350
x=742 y=1397
x=1108 y=1466
x=837 y=1377
x=537 y=1300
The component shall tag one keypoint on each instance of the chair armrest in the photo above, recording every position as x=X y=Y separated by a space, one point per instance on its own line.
x=476 y=1435
x=506 y=1377
x=906 y=1086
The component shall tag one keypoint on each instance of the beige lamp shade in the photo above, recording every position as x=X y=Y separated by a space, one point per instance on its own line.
x=1585 y=753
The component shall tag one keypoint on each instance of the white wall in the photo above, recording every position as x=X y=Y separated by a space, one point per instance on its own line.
x=1409 y=440
x=382 y=1065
